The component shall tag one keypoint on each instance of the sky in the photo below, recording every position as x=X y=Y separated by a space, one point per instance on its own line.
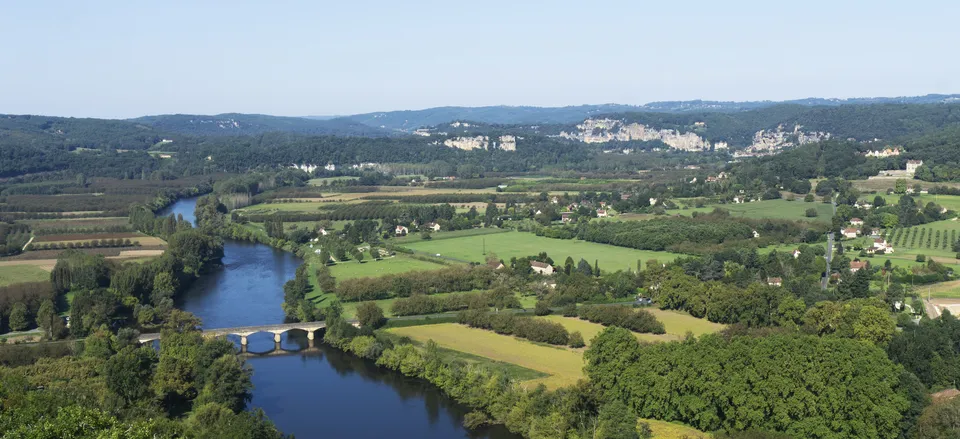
x=121 y=59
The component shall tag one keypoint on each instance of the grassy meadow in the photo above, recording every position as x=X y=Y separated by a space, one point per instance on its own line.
x=772 y=209
x=15 y=274
x=519 y=244
x=564 y=366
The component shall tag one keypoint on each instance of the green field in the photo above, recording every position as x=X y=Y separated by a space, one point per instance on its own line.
x=15 y=274
x=911 y=241
x=565 y=366
x=436 y=236
x=352 y=269
x=391 y=265
x=519 y=244
x=266 y=208
x=590 y=330
x=951 y=202
x=772 y=209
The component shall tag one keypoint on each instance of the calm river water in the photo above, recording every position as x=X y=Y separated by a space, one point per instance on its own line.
x=319 y=392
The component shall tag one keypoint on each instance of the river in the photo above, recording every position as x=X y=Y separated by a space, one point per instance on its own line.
x=319 y=392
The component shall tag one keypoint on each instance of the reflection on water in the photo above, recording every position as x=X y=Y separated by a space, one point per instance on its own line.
x=313 y=391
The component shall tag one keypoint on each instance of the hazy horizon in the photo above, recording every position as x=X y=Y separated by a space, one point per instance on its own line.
x=114 y=59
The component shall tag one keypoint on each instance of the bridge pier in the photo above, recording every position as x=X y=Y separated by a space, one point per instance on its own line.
x=276 y=337
x=310 y=335
x=243 y=341
x=310 y=343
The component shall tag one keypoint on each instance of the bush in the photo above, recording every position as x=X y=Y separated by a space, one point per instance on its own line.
x=808 y=198
x=623 y=316
x=569 y=310
x=576 y=340
x=542 y=308
x=533 y=329
x=921 y=258
x=811 y=213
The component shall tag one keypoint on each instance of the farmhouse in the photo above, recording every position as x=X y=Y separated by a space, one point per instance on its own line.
x=851 y=232
x=855 y=266
x=881 y=244
x=565 y=217
x=432 y=226
x=913 y=165
x=541 y=268
x=401 y=230
x=856 y=222
x=322 y=232
x=774 y=281
x=495 y=264
x=601 y=213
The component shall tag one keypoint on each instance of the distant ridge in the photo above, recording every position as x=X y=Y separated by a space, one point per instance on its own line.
x=409 y=120
x=238 y=124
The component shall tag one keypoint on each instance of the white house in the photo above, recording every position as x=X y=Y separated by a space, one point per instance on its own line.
x=756 y=234
x=401 y=230
x=541 y=268
x=433 y=226
x=855 y=266
x=774 y=281
x=912 y=165
x=856 y=222
x=851 y=232
x=323 y=232
x=601 y=213
x=796 y=253
x=565 y=217
x=653 y=201
x=882 y=244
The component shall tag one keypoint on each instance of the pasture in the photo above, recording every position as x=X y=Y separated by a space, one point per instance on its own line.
x=677 y=324
x=390 y=265
x=16 y=274
x=769 y=209
x=565 y=366
x=519 y=244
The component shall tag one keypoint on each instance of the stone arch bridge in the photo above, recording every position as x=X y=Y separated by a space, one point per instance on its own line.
x=245 y=331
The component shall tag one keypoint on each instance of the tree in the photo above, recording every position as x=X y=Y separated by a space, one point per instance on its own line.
x=541 y=308
x=616 y=421
x=226 y=382
x=811 y=213
x=128 y=372
x=48 y=319
x=164 y=287
x=939 y=421
x=900 y=187
x=569 y=264
x=374 y=253
x=879 y=201
x=808 y=198
x=19 y=317
x=583 y=267
x=596 y=268
x=370 y=315
x=425 y=235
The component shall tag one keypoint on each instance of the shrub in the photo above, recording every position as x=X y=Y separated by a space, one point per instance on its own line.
x=624 y=316
x=808 y=198
x=569 y=310
x=811 y=213
x=542 y=308
x=533 y=329
x=921 y=258
x=576 y=340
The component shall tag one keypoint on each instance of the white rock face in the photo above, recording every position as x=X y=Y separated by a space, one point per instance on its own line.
x=770 y=142
x=606 y=130
x=506 y=143
x=467 y=143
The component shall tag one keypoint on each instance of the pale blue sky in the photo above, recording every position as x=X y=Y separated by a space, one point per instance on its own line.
x=130 y=58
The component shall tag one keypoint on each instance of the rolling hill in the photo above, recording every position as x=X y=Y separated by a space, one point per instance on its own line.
x=237 y=124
